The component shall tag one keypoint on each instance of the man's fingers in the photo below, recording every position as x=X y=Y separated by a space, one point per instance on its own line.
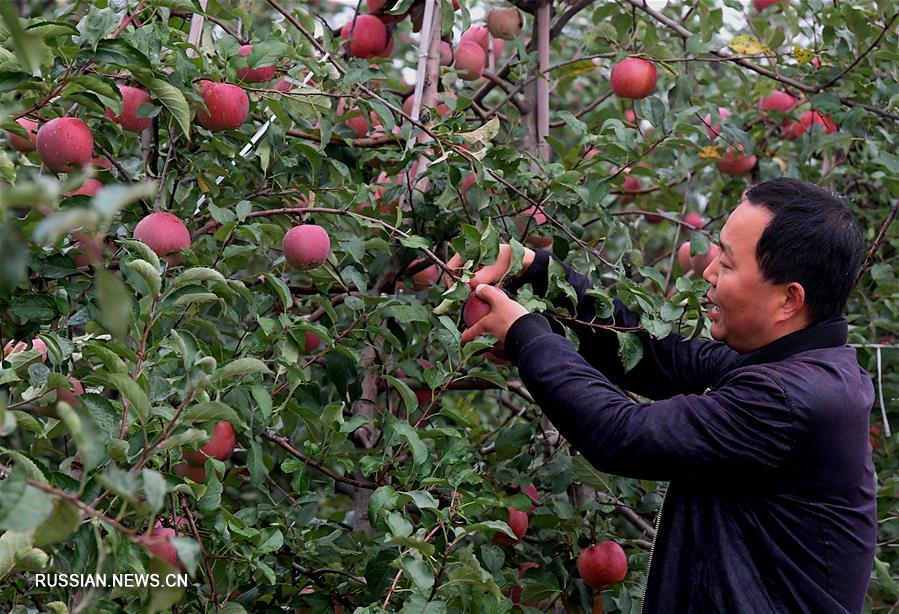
x=469 y=334
x=454 y=265
x=490 y=294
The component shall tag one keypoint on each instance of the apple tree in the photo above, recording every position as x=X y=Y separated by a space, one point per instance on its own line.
x=231 y=342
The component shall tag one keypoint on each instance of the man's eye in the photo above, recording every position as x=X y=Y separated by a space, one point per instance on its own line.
x=722 y=265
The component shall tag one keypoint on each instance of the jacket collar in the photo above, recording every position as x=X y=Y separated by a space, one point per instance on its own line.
x=827 y=333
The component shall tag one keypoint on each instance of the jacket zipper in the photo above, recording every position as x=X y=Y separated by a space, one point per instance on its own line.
x=653 y=547
x=656 y=538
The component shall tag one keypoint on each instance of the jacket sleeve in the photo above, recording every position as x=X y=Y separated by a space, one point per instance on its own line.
x=744 y=426
x=672 y=365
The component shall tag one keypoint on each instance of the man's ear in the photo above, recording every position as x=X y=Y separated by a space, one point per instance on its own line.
x=793 y=300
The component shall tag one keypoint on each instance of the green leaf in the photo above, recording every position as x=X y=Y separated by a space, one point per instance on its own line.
x=91 y=442
x=173 y=100
x=133 y=393
x=149 y=274
x=630 y=349
x=115 y=303
x=422 y=499
x=59 y=525
x=22 y=506
x=195 y=297
x=196 y=275
x=33 y=471
x=114 y=197
x=409 y=398
x=403 y=430
x=188 y=552
x=28 y=48
x=211 y=410
x=241 y=366
x=11 y=543
x=419 y=571
x=155 y=488
x=281 y=289
x=142 y=251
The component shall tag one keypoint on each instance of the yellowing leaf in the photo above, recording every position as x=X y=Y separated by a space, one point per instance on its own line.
x=748 y=44
x=709 y=151
x=204 y=187
x=803 y=56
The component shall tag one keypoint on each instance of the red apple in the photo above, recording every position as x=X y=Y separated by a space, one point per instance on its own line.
x=518 y=522
x=531 y=491
x=13 y=347
x=796 y=129
x=466 y=183
x=313 y=341
x=227 y=106
x=306 y=246
x=735 y=163
x=89 y=249
x=17 y=142
x=504 y=23
x=470 y=60
x=481 y=35
x=254 y=75
x=65 y=144
x=165 y=234
x=70 y=396
x=423 y=395
x=220 y=445
x=88 y=188
x=159 y=544
x=602 y=565
x=194 y=472
x=702 y=261
x=424 y=278
x=684 y=258
x=713 y=130
x=633 y=78
x=132 y=98
x=446 y=54
x=778 y=101
x=101 y=162
x=761 y=5
x=475 y=308
x=367 y=36
x=517 y=590
x=694 y=219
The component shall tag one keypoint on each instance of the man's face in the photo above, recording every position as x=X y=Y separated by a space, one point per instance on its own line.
x=746 y=307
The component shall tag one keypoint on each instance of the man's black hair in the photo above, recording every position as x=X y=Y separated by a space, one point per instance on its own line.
x=812 y=239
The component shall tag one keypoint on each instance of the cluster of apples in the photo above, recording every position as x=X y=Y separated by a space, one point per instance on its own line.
x=736 y=163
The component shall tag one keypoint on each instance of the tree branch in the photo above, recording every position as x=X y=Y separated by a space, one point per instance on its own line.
x=869 y=259
x=284 y=443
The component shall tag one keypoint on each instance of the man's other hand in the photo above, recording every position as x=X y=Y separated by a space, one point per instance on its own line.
x=492 y=273
x=503 y=313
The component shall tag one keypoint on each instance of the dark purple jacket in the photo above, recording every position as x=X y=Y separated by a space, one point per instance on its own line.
x=770 y=505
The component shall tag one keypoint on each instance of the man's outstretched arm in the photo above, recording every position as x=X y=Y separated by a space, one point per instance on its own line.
x=744 y=426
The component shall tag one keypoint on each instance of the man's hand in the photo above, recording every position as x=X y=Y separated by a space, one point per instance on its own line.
x=503 y=313
x=492 y=273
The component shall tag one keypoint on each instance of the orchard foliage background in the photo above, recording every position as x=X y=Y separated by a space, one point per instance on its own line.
x=362 y=477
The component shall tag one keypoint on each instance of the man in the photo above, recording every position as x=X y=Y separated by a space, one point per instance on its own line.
x=762 y=433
